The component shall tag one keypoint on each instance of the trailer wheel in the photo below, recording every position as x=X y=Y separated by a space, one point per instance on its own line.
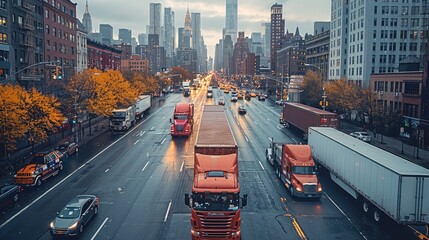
x=365 y=206
x=376 y=215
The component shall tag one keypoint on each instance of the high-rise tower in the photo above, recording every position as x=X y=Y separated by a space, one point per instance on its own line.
x=155 y=19
x=187 y=31
x=231 y=19
x=277 y=33
x=86 y=20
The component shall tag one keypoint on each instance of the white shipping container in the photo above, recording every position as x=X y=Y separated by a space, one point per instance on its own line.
x=394 y=185
x=143 y=103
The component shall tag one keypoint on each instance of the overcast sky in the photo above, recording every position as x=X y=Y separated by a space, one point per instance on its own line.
x=134 y=15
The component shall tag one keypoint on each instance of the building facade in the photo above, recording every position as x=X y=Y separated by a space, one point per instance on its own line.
x=86 y=20
x=187 y=59
x=291 y=58
x=277 y=32
x=317 y=48
x=239 y=56
x=106 y=31
x=155 y=19
x=135 y=63
x=61 y=34
x=5 y=40
x=103 y=57
x=125 y=49
x=82 y=50
x=370 y=37
x=231 y=19
x=196 y=38
x=125 y=35
x=169 y=36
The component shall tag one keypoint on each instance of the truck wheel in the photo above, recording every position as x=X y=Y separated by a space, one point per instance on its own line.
x=376 y=215
x=365 y=206
x=61 y=167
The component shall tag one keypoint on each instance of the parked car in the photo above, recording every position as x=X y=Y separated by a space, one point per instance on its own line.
x=74 y=216
x=242 y=109
x=221 y=101
x=9 y=193
x=364 y=136
x=68 y=148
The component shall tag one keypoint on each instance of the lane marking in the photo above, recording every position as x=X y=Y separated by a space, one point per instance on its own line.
x=71 y=174
x=168 y=210
x=298 y=228
x=278 y=127
x=183 y=164
x=107 y=170
x=136 y=141
x=145 y=166
x=163 y=140
x=344 y=215
x=152 y=128
x=246 y=138
x=268 y=120
x=261 y=165
x=294 y=140
x=98 y=230
x=255 y=122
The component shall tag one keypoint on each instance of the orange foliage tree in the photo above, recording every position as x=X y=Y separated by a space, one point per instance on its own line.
x=343 y=96
x=312 y=89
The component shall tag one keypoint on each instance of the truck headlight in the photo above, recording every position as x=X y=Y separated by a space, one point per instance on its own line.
x=195 y=233
x=299 y=189
x=319 y=189
x=51 y=225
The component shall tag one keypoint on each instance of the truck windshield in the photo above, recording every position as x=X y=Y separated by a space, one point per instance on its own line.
x=308 y=170
x=119 y=115
x=182 y=117
x=215 y=202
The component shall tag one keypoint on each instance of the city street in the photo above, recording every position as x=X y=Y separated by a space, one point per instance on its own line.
x=141 y=176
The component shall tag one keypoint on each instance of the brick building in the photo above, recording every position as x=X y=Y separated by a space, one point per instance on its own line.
x=103 y=57
x=135 y=63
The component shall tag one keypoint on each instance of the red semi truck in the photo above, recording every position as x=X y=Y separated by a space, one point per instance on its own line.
x=215 y=200
x=295 y=167
x=183 y=120
x=302 y=117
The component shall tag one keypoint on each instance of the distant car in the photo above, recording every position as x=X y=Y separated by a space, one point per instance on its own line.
x=75 y=216
x=252 y=94
x=9 y=193
x=68 y=148
x=364 y=136
x=242 y=109
x=280 y=102
x=234 y=97
x=172 y=90
x=261 y=97
x=221 y=101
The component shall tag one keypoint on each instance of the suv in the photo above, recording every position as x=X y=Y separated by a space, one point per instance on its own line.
x=75 y=216
x=234 y=97
x=42 y=166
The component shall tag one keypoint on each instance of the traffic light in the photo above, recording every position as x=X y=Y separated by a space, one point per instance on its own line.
x=320 y=103
x=54 y=74
x=74 y=119
x=59 y=71
x=326 y=104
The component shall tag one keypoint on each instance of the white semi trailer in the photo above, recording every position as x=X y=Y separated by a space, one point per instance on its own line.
x=385 y=184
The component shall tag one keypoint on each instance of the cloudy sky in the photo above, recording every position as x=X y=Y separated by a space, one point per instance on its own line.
x=134 y=15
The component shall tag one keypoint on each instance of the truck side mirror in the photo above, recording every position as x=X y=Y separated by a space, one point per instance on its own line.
x=244 y=201
x=187 y=200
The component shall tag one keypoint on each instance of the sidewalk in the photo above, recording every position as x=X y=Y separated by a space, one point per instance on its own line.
x=393 y=145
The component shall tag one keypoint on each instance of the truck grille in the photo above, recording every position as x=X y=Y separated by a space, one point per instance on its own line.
x=310 y=188
x=179 y=128
x=23 y=174
x=216 y=226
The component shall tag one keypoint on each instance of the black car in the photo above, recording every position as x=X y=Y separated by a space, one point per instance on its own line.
x=242 y=109
x=68 y=148
x=9 y=193
x=75 y=216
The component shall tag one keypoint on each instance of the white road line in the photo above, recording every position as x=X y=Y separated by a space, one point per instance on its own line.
x=168 y=210
x=246 y=138
x=255 y=122
x=181 y=167
x=142 y=133
x=71 y=174
x=145 y=166
x=278 y=127
x=294 y=140
x=152 y=128
x=268 y=119
x=136 y=141
x=107 y=170
x=99 y=229
x=261 y=165
x=344 y=215
x=163 y=141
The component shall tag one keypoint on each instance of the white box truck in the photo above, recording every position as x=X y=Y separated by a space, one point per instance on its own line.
x=143 y=104
x=385 y=184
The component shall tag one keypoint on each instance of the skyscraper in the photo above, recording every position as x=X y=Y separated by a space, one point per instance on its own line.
x=125 y=35
x=86 y=20
x=277 y=32
x=155 y=19
x=196 y=37
x=106 y=31
x=142 y=37
x=180 y=40
x=231 y=19
x=169 y=32
x=187 y=31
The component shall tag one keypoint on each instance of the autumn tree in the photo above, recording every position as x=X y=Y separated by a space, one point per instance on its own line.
x=143 y=83
x=312 y=89
x=12 y=113
x=185 y=74
x=42 y=116
x=343 y=96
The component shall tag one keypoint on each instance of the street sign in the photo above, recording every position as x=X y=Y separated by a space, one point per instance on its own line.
x=31 y=78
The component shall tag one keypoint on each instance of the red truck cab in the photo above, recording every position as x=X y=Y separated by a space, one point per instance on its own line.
x=295 y=167
x=183 y=120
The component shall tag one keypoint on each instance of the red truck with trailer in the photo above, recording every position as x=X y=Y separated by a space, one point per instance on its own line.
x=295 y=167
x=302 y=117
x=183 y=120
x=215 y=200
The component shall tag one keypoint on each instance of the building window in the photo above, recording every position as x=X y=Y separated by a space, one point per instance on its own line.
x=3 y=4
x=3 y=21
x=3 y=38
x=46 y=14
x=412 y=88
